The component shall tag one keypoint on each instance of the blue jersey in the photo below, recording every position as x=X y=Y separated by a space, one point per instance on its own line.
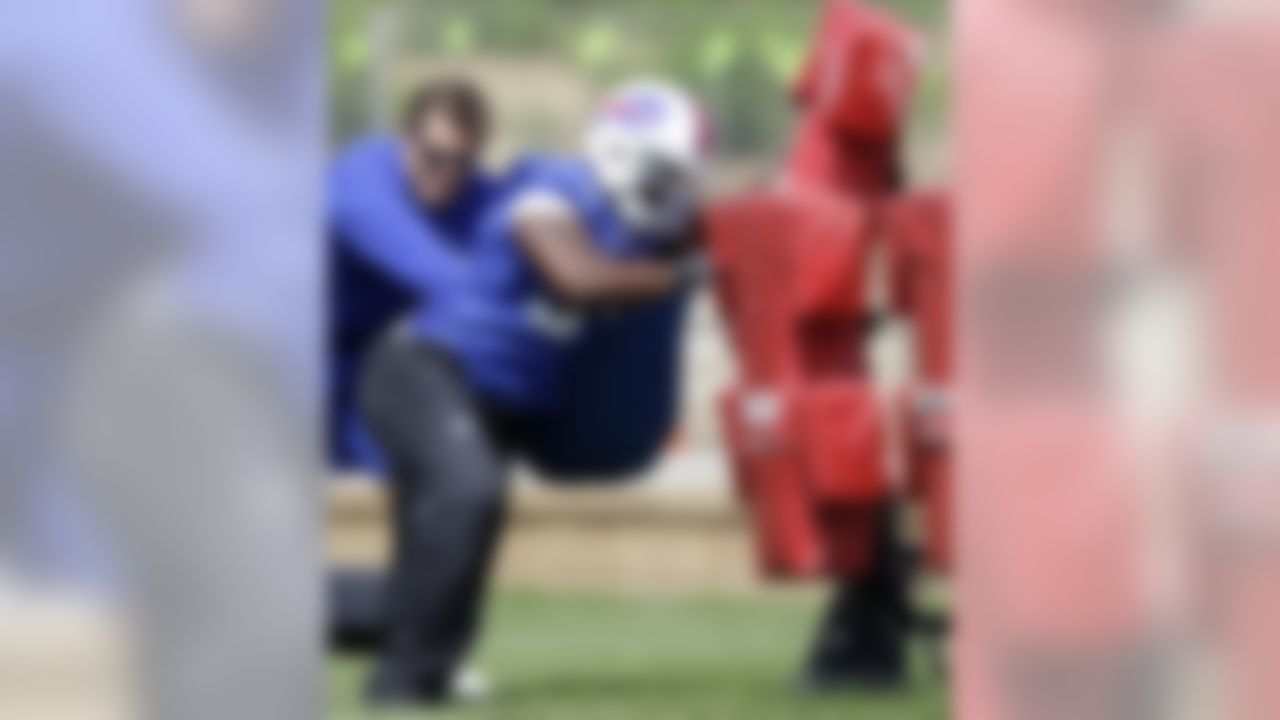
x=512 y=340
x=390 y=251
x=389 y=254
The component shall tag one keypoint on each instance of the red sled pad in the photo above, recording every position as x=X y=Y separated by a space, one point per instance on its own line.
x=918 y=230
x=809 y=465
x=862 y=71
x=789 y=269
x=841 y=434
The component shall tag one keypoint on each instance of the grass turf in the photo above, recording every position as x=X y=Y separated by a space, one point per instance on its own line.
x=583 y=657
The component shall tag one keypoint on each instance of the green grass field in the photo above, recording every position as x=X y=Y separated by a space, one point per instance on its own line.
x=581 y=657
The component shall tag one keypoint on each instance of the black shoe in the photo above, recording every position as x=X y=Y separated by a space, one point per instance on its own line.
x=861 y=656
x=859 y=673
x=862 y=642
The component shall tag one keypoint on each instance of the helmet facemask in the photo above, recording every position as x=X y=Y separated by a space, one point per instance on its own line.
x=646 y=148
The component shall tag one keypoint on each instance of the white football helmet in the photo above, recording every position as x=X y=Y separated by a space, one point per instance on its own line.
x=647 y=145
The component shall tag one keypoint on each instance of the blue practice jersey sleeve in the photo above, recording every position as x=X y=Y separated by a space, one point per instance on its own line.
x=373 y=214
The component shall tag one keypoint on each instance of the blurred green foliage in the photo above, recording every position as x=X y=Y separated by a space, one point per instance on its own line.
x=738 y=55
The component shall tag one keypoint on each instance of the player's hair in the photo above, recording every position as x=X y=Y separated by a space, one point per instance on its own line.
x=458 y=98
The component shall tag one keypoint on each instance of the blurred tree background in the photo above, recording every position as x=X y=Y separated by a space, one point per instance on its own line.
x=545 y=62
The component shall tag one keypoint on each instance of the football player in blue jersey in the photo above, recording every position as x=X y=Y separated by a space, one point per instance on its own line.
x=569 y=246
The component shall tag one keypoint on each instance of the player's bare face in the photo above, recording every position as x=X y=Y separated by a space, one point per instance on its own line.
x=443 y=158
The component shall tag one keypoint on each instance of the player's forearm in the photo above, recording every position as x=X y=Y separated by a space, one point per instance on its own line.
x=607 y=282
x=579 y=274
